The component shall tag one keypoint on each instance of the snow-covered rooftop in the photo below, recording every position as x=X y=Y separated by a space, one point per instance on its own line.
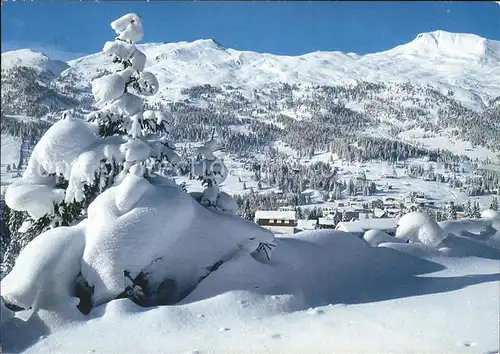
x=368 y=224
x=326 y=221
x=275 y=214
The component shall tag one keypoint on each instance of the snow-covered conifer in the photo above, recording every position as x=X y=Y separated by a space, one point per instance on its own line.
x=76 y=160
x=141 y=236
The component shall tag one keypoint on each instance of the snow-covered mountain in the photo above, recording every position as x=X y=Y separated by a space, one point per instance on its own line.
x=464 y=63
x=32 y=59
x=439 y=81
x=315 y=127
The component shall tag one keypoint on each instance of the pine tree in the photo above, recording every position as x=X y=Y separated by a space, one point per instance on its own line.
x=212 y=171
x=352 y=188
x=468 y=209
x=300 y=214
x=452 y=211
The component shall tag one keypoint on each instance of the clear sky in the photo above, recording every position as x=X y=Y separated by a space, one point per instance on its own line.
x=68 y=29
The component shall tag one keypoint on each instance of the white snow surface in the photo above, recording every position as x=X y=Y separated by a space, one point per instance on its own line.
x=275 y=214
x=45 y=270
x=376 y=237
x=325 y=291
x=11 y=149
x=418 y=227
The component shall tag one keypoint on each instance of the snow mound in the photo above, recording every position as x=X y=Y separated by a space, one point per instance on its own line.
x=32 y=59
x=376 y=237
x=179 y=239
x=137 y=227
x=494 y=217
x=491 y=214
x=457 y=227
x=330 y=280
x=417 y=227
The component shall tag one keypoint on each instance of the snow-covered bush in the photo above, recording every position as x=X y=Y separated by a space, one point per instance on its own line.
x=142 y=237
x=76 y=160
x=493 y=217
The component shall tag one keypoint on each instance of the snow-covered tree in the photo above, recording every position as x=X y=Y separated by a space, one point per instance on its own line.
x=75 y=161
x=142 y=236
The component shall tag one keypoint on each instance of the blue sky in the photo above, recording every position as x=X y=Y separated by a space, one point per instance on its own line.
x=68 y=29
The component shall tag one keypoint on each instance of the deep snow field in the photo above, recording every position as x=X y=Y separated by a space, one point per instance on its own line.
x=325 y=292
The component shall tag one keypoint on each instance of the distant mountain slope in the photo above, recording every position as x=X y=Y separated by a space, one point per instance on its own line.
x=464 y=63
x=447 y=84
x=32 y=59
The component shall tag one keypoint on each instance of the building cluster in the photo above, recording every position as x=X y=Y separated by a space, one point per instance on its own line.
x=354 y=214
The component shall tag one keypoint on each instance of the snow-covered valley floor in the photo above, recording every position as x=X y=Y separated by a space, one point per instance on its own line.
x=325 y=292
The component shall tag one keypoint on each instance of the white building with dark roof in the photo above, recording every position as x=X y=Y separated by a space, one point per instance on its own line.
x=277 y=221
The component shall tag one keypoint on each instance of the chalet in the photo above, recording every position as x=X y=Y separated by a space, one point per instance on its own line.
x=349 y=213
x=307 y=225
x=326 y=223
x=379 y=213
x=387 y=225
x=277 y=221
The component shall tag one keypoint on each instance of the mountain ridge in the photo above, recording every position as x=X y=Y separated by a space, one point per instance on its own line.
x=34 y=59
x=473 y=75
x=438 y=36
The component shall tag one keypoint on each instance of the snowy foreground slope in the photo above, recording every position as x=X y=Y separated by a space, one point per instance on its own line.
x=326 y=291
